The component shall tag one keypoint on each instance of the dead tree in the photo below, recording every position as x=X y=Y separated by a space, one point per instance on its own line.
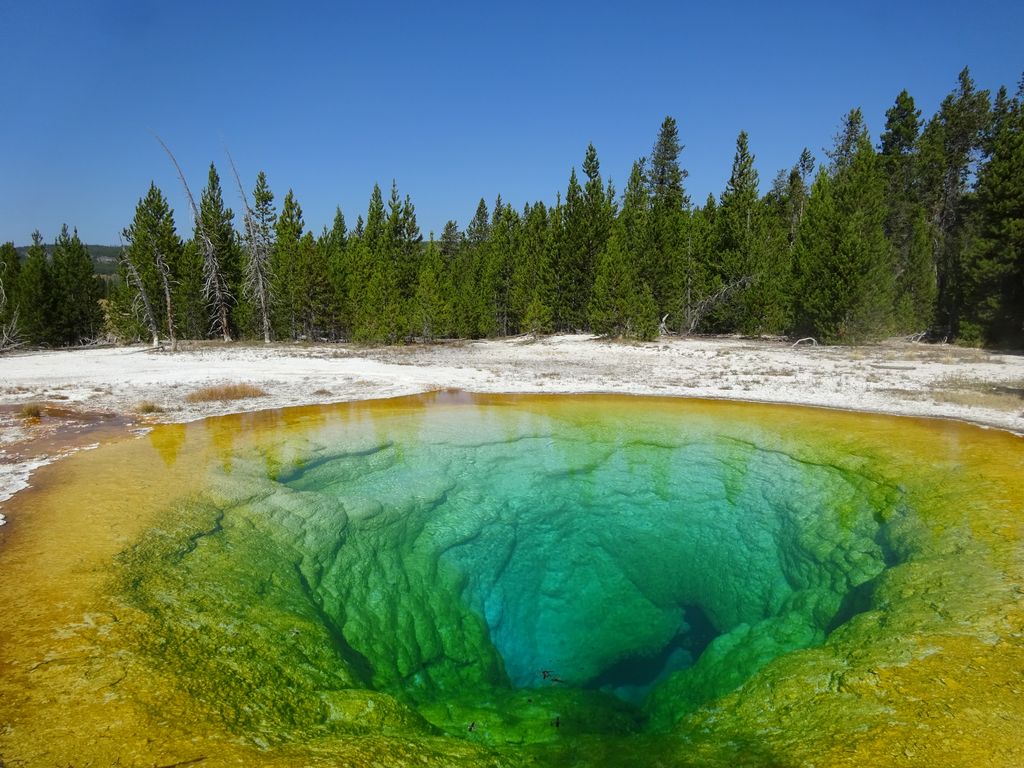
x=214 y=286
x=165 y=281
x=9 y=329
x=149 y=317
x=257 y=265
x=9 y=336
x=696 y=313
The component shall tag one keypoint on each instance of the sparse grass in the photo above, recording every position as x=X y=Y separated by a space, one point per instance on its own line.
x=148 y=406
x=993 y=400
x=962 y=390
x=971 y=393
x=322 y=392
x=31 y=411
x=224 y=392
x=885 y=367
x=950 y=355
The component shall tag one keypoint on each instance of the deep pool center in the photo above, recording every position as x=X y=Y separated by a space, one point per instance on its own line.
x=610 y=558
x=504 y=578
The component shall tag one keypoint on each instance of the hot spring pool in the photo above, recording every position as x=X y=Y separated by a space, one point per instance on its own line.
x=481 y=580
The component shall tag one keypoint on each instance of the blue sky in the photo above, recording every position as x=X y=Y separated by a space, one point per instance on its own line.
x=456 y=101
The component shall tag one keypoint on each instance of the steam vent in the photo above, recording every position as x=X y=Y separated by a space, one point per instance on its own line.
x=520 y=581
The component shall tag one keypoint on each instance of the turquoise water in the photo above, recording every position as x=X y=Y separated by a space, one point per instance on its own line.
x=624 y=564
x=607 y=559
x=514 y=581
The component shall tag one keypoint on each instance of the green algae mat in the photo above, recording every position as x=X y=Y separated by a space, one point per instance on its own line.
x=520 y=581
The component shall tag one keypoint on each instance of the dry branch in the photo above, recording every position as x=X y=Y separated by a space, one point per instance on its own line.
x=214 y=285
x=696 y=313
x=165 y=280
x=9 y=330
x=257 y=267
x=141 y=298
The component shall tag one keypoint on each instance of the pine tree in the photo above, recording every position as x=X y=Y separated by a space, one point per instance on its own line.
x=450 y=242
x=191 y=308
x=905 y=224
x=479 y=229
x=756 y=306
x=449 y=248
x=667 y=267
x=843 y=261
x=383 y=311
x=36 y=293
x=537 y=318
x=634 y=220
x=915 y=276
x=614 y=305
x=155 y=268
x=473 y=313
x=254 y=306
x=409 y=249
x=700 y=282
x=311 y=287
x=378 y=310
x=532 y=291
x=497 y=272
x=568 y=250
x=77 y=315
x=430 y=310
x=951 y=145
x=224 y=273
x=599 y=214
x=995 y=262
x=284 y=260
x=799 y=190
x=665 y=175
x=338 y=268
x=404 y=262
x=10 y=301
x=365 y=240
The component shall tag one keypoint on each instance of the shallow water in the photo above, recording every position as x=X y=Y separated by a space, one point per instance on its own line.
x=457 y=579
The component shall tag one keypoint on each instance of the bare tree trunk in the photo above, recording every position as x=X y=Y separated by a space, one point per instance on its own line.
x=724 y=294
x=142 y=298
x=9 y=330
x=257 y=266
x=165 y=279
x=213 y=284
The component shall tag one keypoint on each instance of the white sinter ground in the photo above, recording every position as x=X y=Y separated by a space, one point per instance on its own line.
x=899 y=378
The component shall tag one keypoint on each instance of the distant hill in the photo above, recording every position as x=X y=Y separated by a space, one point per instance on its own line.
x=104 y=257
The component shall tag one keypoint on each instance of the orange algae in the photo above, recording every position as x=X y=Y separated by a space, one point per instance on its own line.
x=930 y=674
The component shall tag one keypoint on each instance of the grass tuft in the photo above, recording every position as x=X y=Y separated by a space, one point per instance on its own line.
x=148 y=406
x=963 y=390
x=31 y=411
x=224 y=392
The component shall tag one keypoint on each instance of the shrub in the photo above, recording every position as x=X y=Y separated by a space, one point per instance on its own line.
x=31 y=411
x=225 y=392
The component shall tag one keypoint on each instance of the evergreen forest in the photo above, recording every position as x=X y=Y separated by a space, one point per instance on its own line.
x=919 y=232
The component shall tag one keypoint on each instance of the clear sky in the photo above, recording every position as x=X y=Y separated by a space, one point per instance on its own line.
x=456 y=101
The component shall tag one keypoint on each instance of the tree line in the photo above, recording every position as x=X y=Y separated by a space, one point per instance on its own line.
x=921 y=233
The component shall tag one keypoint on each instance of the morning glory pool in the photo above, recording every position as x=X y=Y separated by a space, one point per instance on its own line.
x=520 y=580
